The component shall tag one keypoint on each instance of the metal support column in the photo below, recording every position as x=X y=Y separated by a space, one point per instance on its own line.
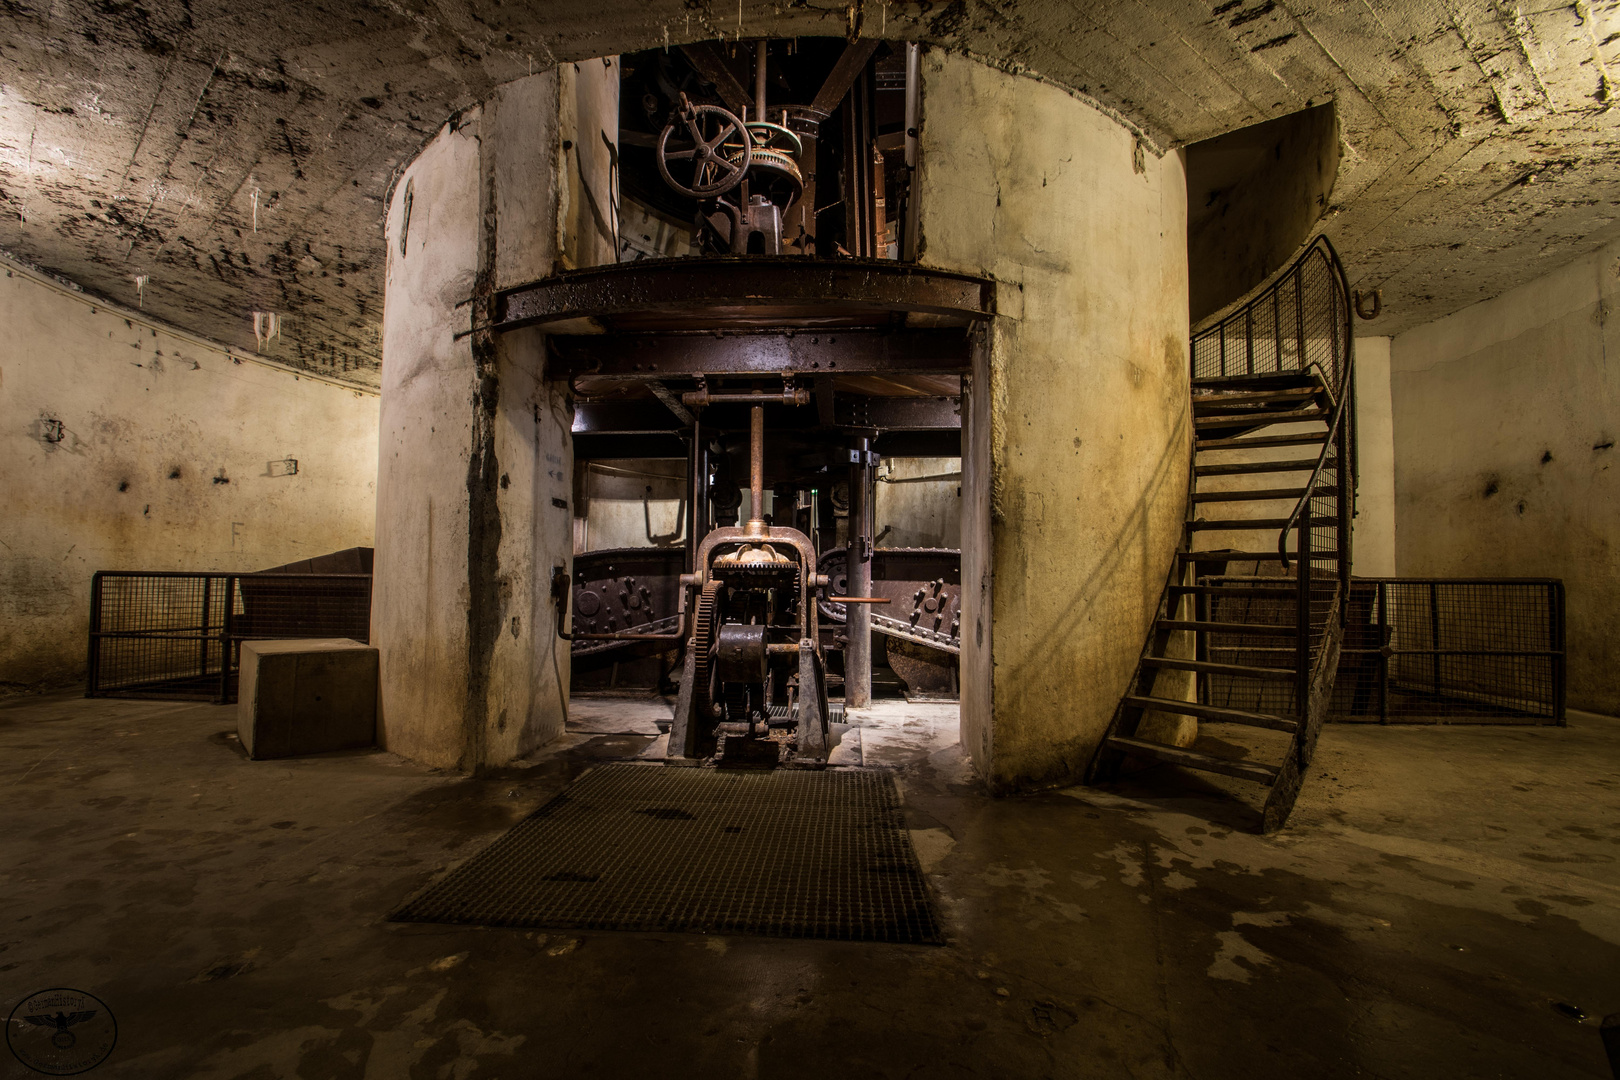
x=697 y=502
x=858 y=654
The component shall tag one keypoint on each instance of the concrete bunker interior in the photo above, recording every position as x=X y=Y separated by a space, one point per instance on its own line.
x=770 y=409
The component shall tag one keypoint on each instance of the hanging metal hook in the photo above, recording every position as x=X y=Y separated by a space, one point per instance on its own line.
x=1377 y=297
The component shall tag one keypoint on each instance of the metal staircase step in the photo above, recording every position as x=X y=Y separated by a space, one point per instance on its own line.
x=1252 y=592
x=1215 y=713
x=1192 y=759
x=1254 y=397
x=1236 y=524
x=1257 y=494
x=1246 y=442
x=1211 y=667
x=1241 y=524
x=1252 y=419
x=1246 y=556
x=1243 y=468
x=1263 y=380
x=1204 y=627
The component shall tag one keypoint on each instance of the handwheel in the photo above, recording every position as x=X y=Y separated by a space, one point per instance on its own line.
x=708 y=127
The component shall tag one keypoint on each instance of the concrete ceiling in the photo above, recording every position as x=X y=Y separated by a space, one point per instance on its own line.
x=206 y=159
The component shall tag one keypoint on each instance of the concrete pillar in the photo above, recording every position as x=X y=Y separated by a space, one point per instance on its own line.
x=858 y=652
x=475 y=464
x=1076 y=451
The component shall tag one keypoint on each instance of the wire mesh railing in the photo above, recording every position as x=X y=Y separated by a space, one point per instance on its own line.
x=1423 y=650
x=177 y=635
x=1298 y=323
x=1454 y=651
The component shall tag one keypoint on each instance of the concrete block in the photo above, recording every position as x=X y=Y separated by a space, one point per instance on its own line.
x=306 y=696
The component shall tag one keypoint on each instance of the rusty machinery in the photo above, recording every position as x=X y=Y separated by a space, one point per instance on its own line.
x=637 y=590
x=922 y=625
x=747 y=616
x=754 y=640
x=706 y=152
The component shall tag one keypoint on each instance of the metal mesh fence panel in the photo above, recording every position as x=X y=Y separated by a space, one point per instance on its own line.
x=1438 y=650
x=1425 y=650
x=178 y=635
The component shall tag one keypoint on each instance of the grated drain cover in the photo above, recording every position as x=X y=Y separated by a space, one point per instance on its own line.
x=660 y=848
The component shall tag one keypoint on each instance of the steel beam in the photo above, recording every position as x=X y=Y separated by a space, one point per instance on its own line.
x=900 y=413
x=782 y=292
x=835 y=352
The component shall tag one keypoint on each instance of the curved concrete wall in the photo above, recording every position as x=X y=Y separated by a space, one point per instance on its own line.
x=170 y=456
x=476 y=460
x=1079 y=409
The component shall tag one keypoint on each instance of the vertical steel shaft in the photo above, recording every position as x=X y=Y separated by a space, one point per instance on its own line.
x=858 y=654
x=756 y=463
x=759 y=82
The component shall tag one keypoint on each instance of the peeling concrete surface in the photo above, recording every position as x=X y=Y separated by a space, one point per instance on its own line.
x=232 y=914
x=240 y=160
x=476 y=461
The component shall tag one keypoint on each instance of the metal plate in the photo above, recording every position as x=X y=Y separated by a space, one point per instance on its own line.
x=620 y=589
x=658 y=848
x=732 y=292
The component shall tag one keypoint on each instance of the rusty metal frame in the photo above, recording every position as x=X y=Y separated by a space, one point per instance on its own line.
x=842 y=352
x=679 y=285
x=899 y=413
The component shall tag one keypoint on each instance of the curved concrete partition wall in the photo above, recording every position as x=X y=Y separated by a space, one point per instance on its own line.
x=476 y=461
x=1075 y=473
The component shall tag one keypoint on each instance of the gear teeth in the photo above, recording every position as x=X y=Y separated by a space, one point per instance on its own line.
x=703 y=635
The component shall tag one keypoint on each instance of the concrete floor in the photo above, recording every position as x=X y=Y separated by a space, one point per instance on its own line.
x=1438 y=894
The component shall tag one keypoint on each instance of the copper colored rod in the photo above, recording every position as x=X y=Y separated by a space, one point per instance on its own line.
x=859 y=600
x=759 y=82
x=756 y=461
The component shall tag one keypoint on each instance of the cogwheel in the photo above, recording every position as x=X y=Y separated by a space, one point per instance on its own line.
x=705 y=629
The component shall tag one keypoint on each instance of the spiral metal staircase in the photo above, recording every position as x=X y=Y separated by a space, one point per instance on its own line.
x=1250 y=622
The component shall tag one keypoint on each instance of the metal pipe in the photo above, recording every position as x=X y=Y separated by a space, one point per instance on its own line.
x=759 y=81
x=858 y=619
x=756 y=466
x=859 y=600
x=913 y=96
x=697 y=475
x=799 y=396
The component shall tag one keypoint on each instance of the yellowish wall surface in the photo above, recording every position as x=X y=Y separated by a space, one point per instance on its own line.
x=1506 y=419
x=1374 y=526
x=1085 y=232
x=154 y=424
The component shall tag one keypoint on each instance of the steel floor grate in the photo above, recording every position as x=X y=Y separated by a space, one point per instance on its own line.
x=660 y=848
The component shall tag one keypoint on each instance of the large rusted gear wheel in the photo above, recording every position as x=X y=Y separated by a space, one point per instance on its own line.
x=707 y=128
x=706 y=626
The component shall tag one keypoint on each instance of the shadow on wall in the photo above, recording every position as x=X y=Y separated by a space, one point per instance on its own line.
x=1041 y=670
x=1253 y=197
